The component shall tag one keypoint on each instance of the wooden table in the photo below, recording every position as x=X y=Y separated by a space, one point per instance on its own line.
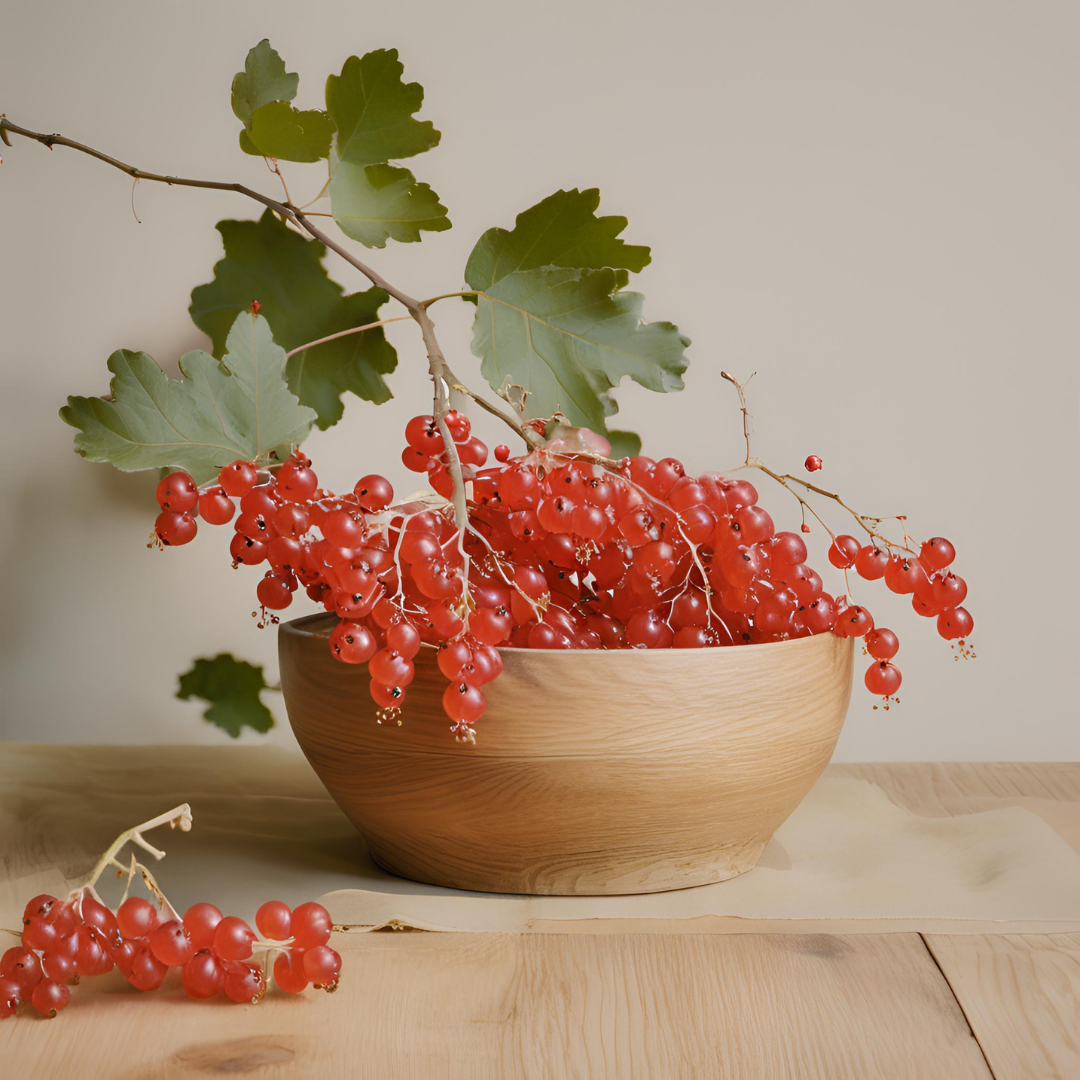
x=549 y=1005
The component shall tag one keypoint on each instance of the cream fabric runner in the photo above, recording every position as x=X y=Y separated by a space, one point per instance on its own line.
x=847 y=861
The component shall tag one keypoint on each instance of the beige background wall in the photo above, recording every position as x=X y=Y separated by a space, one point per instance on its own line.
x=874 y=205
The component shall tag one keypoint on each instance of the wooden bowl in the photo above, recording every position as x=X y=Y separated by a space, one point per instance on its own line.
x=593 y=772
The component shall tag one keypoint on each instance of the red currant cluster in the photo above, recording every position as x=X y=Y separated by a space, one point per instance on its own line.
x=936 y=592
x=80 y=937
x=425 y=452
x=562 y=549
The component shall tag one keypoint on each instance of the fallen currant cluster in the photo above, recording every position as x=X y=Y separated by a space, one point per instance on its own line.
x=563 y=549
x=64 y=941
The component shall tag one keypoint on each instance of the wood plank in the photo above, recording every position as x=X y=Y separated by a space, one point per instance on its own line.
x=547 y=1005
x=1021 y=996
x=945 y=788
x=480 y=1005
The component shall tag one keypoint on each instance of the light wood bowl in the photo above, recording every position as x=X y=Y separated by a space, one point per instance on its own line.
x=593 y=772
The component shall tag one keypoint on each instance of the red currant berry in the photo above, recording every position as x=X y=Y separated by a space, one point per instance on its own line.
x=216 y=507
x=955 y=623
x=375 y=493
x=882 y=678
x=49 y=997
x=174 y=529
x=238 y=478
x=882 y=644
x=200 y=921
x=459 y=426
x=274 y=920
x=853 y=621
x=273 y=593
x=352 y=643
x=171 y=944
x=949 y=590
x=937 y=553
x=322 y=965
x=178 y=492
x=871 y=562
x=289 y=971
x=843 y=552
x=904 y=574
x=464 y=704
x=296 y=483
x=311 y=925
x=233 y=939
x=136 y=917
x=203 y=975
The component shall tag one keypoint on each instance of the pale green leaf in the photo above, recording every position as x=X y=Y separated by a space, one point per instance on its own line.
x=561 y=230
x=238 y=408
x=279 y=131
x=231 y=688
x=560 y=371
x=373 y=111
x=624 y=444
x=562 y=336
x=376 y=203
x=247 y=145
x=264 y=79
x=267 y=262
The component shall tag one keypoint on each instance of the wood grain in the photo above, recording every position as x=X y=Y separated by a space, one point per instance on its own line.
x=546 y=1006
x=1020 y=993
x=594 y=772
x=1021 y=996
x=441 y=1005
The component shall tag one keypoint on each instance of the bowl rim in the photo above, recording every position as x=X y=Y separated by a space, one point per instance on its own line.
x=299 y=628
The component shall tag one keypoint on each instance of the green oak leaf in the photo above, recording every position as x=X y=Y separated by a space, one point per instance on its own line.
x=372 y=110
x=624 y=444
x=561 y=230
x=264 y=79
x=232 y=688
x=279 y=131
x=267 y=262
x=560 y=371
x=237 y=408
x=567 y=336
x=272 y=127
x=376 y=203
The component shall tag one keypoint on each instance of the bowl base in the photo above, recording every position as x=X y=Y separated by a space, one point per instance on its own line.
x=663 y=877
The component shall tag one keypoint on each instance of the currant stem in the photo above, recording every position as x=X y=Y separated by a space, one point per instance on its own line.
x=274 y=167
x=530 y=436
x=272 y=946
x=705 y=584
x=417 y=309
x=509 y=582
x=150 y=882
x=440 y=378
x=180 y=817
x=739 y=389
x=451 y=295
x=786 y=479
x=346 y=333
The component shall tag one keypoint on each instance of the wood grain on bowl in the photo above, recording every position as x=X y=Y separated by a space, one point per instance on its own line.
x=594 y=772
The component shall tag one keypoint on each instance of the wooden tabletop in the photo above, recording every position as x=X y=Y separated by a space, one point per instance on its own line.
x=548 y=1005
